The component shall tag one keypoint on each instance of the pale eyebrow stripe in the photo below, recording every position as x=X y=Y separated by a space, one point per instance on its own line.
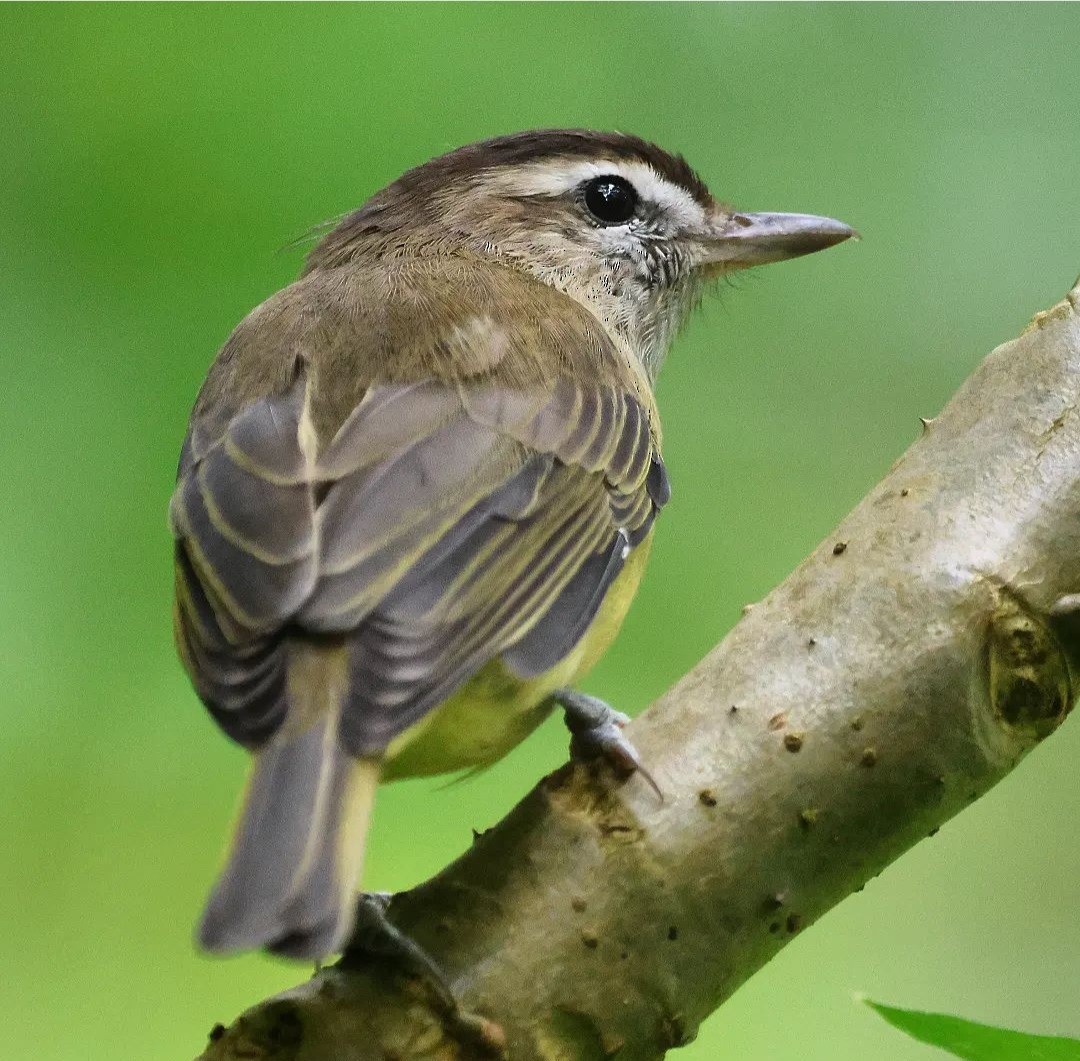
x=558 y=176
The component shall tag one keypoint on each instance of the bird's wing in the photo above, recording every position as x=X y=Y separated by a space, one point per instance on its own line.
x=243 y=515
x=529 y=505
x=444 y=524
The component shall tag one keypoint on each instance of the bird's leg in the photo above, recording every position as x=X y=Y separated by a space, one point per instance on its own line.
x=596 y=732
x=375 y=935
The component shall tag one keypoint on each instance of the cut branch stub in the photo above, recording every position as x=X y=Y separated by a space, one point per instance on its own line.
x=1029 y=680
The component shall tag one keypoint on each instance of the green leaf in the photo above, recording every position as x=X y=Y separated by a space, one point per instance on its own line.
x=978 y=1042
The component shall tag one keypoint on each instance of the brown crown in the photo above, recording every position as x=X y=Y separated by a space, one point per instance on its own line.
x=535 y=145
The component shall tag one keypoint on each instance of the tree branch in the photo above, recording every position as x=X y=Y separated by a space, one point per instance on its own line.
x=905 y=667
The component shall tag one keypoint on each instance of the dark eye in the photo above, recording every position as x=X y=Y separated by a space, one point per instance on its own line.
x=611 y=200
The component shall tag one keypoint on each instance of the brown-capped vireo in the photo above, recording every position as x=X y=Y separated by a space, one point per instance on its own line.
x=419 y=485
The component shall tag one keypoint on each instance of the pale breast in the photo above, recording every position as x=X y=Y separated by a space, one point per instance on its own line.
x=496 y=710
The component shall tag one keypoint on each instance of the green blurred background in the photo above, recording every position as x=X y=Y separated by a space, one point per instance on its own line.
x=153 y=160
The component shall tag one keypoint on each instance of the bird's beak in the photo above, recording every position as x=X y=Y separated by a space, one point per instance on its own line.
x=738 y=241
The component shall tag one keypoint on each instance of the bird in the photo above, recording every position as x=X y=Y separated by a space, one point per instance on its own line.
x=419 y=485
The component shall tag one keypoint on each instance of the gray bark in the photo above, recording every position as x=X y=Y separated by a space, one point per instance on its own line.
x=905 y=667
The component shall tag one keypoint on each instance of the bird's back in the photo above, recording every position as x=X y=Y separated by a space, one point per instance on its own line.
x=418 y=457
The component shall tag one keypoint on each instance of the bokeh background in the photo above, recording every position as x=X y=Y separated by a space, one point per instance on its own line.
x=153 y=163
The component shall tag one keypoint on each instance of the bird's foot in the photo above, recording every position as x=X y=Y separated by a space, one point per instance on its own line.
x=596 y=732
x=375 y=935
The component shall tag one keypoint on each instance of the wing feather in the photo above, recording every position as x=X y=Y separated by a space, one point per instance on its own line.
x=442 y=526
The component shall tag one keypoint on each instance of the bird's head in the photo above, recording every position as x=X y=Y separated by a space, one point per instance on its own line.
x=615 y=222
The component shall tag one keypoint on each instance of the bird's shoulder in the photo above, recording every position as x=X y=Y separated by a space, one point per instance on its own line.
x=456 y=318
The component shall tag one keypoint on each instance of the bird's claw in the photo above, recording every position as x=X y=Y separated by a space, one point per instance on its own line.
x=596 y=733
x=374 y=934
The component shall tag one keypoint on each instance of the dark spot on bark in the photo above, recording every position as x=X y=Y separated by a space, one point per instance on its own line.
x=904 y=492
x=707 y=797
x=774 y=927
x=869 y=757
x=442 y=926
x=624 y=955
x=590 y=939
x=673 y=1031
x=775 y=901
x=734 y=709
x=281 y=1027
x=811 y=642
x=793 y=741
x=838 y=548
x=778 y=721
x=793 y=923
x=216 y=1032
x=673 y=933
x=578 y=904
x=1025 y=700
x=560 y=778
x=934 y=831
x=857 y=723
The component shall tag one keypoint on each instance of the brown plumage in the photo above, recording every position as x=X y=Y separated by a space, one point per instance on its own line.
x=411 y=481
x=422 y=189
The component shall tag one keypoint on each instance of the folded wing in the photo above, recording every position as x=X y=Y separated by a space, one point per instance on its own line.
x=444 y=525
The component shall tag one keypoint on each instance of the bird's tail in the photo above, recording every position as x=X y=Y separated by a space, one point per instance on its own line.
x=290 y=880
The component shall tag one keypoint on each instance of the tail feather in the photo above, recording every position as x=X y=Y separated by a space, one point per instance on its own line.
x=324 y=907
x=290 y=878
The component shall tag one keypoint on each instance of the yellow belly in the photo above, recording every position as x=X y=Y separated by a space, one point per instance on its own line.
x=495 y=710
